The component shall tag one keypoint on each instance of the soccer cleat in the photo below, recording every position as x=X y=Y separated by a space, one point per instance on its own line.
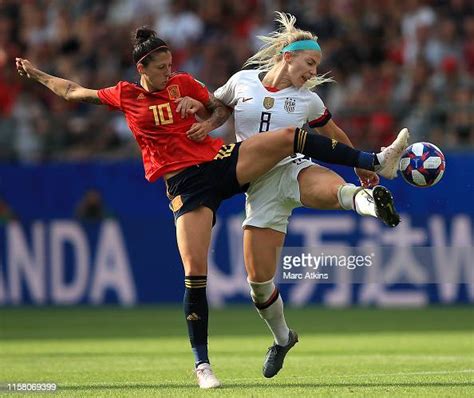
x=390 y=156
x=384 y=206
x=276 y=355
x=205 y=376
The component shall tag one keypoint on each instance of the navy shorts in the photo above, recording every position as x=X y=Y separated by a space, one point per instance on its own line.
x=206 y=184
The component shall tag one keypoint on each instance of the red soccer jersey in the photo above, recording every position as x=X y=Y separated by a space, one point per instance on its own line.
x=158 y=129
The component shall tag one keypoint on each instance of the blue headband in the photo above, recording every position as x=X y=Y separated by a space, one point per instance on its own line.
x=302 y=45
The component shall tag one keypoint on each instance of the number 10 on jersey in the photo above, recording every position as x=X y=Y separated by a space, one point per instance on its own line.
x=159 y=115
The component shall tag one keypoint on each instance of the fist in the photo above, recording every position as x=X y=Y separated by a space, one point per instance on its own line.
x=24 y=67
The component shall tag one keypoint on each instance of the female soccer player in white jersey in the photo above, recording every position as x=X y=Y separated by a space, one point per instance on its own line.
x=275 y=95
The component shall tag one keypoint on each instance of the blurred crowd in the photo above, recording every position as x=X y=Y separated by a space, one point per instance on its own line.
x=395 y=62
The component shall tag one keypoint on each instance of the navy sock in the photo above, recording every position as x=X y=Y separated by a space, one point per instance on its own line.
x=329 y=150
x=196 y=312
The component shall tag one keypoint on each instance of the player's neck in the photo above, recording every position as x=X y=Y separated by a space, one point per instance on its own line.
x=147 y=85
x=276 y=77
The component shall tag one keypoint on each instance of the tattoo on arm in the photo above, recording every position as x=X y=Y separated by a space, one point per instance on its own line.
x=219 y=112
x=68 y=88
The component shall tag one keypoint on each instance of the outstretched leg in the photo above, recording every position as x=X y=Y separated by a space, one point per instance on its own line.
x=321 y=188
x=259 y=153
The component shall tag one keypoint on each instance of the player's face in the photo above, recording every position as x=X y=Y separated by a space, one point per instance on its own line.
x=158 y=70
x=302 y=66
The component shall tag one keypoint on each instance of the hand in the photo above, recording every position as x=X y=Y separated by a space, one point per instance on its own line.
x=198 y=131
x=188 y=106
x=367 y=178
x=25 y=68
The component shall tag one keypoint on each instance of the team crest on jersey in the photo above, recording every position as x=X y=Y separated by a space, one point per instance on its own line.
x=173 y=92
x=268 y=102
x=290 y=104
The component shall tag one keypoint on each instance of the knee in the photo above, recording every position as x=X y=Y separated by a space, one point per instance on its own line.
x=286 y=135
x=335 y=202
x=259 y=274
x=321 y=197
x=252 y=273
x=194 y=265
x=331 y=202
x=289 y=134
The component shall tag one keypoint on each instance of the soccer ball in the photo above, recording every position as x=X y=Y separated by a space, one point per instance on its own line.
x=422 y=164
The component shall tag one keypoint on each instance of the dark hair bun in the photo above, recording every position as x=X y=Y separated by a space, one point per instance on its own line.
x=142 y=34
x=146 y=42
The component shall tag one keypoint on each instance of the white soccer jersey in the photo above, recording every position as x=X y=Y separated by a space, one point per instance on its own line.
x=257 y=109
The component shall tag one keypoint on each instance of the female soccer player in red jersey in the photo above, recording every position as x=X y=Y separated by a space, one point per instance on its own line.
x=200 y=174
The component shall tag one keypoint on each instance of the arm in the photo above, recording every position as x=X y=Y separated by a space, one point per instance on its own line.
x=190 y=106
x=219 y=112
x=218 y=115
x=332 y=130
x=66 y=89
x=202 y=113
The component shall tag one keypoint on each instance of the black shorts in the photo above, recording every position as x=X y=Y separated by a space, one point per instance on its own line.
x=206 y=184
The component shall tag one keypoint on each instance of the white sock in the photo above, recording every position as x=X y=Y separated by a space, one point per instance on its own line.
x=269 y=306
x=380 y=158
x=358 y=199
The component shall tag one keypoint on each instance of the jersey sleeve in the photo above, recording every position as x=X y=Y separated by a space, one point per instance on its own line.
x=318 y=114
x=195 y=89
x=112 y=96
x=227 y=93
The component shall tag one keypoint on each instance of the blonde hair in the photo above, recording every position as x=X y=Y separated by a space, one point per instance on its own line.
x=270 y=54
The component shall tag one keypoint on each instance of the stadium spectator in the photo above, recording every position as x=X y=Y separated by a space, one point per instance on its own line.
x=85 y=40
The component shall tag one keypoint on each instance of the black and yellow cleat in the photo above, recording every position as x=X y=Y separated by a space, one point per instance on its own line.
x=385 y=207
x=276 y=355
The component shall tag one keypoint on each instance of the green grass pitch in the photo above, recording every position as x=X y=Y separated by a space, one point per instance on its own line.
x=144 y=352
